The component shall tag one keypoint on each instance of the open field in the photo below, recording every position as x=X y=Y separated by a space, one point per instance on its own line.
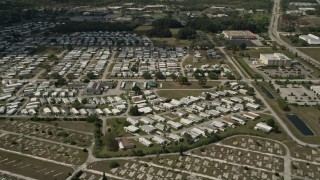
x=274 y=105
x=32 y=168
x=142 y=29
x=313 y=20
x=312 y=52
x=74 y=125
x=171 y=42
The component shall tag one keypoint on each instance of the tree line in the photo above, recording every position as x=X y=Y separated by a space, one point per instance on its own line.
x=72 y=26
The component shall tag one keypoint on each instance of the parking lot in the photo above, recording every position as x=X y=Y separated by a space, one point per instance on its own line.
x=48 y=132
x=297 y=94
x=52 y=151
x=32 y=168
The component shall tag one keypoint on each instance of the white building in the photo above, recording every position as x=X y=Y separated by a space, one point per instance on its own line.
x=310 y=39
x=263 y=127
x=131 y=129
x=145 y=141
x=276 y=59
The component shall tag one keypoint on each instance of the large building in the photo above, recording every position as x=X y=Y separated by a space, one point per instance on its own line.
x=238 y=35
x=276 y=59
x=310 y=39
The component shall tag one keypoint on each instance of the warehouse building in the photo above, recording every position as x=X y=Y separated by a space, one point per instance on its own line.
x=239 y=35
x=310 y=39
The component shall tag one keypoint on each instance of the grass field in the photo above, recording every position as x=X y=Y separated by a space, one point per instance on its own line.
x=142 y=28
x=171 y=42
x=73 y=125
x=314 y=21
x=312 y=52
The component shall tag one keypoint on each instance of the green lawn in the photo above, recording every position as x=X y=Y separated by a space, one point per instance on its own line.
x=171 y=42
x=142 y=28
x=312 y=52
x=74 y=125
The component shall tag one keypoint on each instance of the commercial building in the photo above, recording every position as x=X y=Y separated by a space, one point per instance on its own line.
x=310 y=39
x=276 y=59
x=238 y=35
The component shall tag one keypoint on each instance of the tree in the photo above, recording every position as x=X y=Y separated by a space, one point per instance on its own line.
x=174 y=77
x=243 y=46
x=283 y=105
x=114 y=164
x=70 y=76
x=181 y=149
x=86 y=80
x=230 y=76
x=134 y=111
x=159 y=75
x=159 y=32
x=90 y=75
x=104 y=177
x=183 y=80
x=186 y=33
x=60 y=82
x=137 y=90
x=208 y=96
x=84 y=101
x=146 y=75
x=270 y=122
x=202 y=81
x=111 y=142
x=213 y=75
x=93 y=119
x=76 y=104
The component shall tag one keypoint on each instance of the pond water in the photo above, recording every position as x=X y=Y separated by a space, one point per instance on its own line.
x=300 y=125
x=265 y=90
